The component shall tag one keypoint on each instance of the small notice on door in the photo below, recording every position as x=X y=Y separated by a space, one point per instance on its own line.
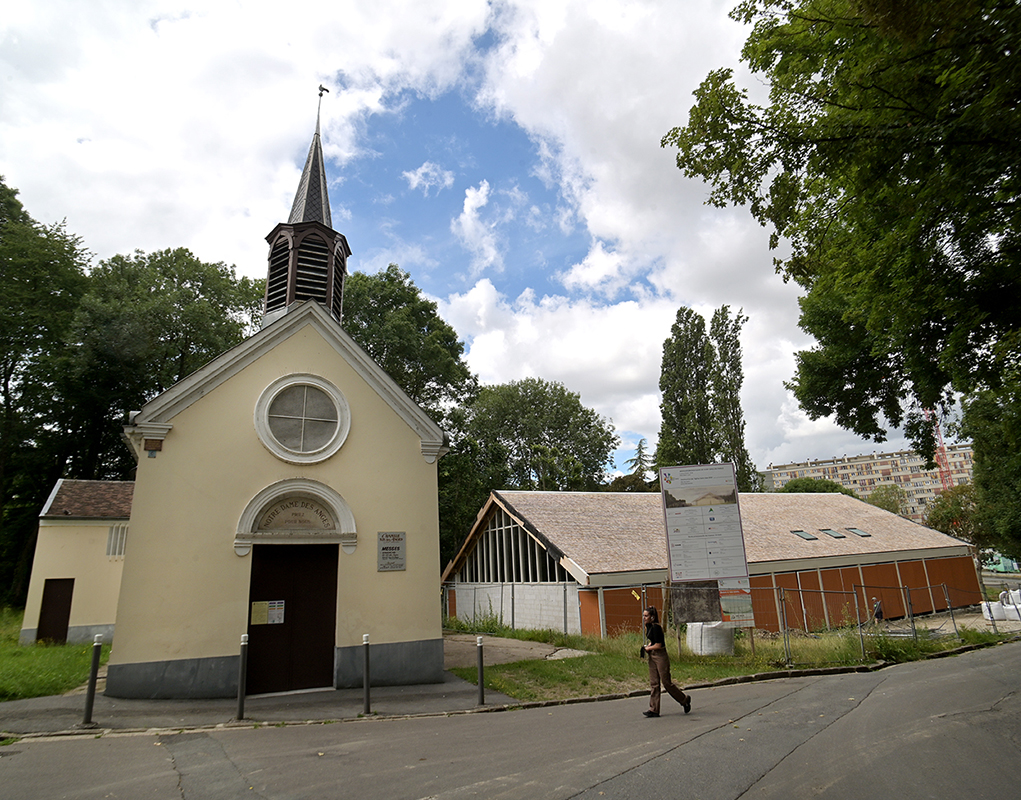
x=268 y=612
x=390 y=551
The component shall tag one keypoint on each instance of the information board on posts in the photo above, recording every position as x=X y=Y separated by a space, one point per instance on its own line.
x=703 y=523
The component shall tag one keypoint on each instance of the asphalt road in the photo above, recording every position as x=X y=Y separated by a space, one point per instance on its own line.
x=943 y=728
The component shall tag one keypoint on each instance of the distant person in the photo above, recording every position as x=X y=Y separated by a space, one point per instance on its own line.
x=659 y=665
x=877 y=611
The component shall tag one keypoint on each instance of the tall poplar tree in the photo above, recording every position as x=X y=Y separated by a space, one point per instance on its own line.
x=728 y=378
x=701 y=379
x=687 y=433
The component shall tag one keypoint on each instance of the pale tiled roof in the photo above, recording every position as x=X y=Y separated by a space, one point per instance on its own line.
x=624 y=532
x=90 y=499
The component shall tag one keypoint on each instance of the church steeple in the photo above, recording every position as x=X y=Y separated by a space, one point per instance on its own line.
x=312 y=202
x=307 y=258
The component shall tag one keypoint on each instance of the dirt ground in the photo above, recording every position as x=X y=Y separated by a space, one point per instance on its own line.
x=461 y=650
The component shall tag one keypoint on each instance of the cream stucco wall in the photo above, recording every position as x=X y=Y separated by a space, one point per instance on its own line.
x=75 y=549
x=184 y=593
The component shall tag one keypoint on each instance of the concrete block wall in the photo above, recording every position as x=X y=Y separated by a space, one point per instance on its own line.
x=536 y=606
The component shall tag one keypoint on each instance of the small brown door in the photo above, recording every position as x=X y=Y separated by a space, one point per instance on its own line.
x=294 y=649
x=55 y=613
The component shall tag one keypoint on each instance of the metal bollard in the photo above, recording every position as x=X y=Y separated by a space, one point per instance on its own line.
x=242 y=675
x=90 y=695
x=482 y=682
x=365 y=675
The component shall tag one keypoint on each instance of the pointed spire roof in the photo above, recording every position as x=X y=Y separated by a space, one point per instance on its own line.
x=312 y=203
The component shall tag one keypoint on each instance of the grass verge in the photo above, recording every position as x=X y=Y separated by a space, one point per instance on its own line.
x=38 y=670
x=614 y=667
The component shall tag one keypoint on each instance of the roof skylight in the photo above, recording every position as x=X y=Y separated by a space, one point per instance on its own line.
x=805 y=534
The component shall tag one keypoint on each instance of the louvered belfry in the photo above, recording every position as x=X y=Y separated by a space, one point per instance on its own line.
x=307 y=258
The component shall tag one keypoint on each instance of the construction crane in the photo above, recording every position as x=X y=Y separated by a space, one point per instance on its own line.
x=942 y=462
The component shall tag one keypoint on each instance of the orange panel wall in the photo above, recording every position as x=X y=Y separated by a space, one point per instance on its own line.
x=764 y=602
x=881 y=582
x=839 y=596
x=959 y=575
x=812 y=599
x=588 y=607
x=912 y=575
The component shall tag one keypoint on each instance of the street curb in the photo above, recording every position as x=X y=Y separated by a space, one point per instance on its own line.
x=234 y=724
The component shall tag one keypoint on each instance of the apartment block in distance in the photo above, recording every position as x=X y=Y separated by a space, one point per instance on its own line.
x=865 y=473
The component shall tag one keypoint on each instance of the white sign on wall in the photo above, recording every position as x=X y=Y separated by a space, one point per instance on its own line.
x=390 y=551
x=703 y=523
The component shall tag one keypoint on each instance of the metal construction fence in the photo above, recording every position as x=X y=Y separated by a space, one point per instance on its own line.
x=787 y=611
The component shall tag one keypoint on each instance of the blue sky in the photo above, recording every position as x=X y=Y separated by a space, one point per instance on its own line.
x=504 y=152
x=411 y=183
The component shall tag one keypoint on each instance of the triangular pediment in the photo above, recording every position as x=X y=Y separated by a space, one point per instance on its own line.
x=156 y=417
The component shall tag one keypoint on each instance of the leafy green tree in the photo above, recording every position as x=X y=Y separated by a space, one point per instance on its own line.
x=467 y=474
x=42 y=276
x=886 y=160
x=402 y=331
x=552 y=441
x=638 y=479
x=992 y=419
x=146 y=322
x=728 y=378
x=889 y=497
x=955 y=511
x=688 y=433
x=701 y=379
x=815 y=486
x=642 y=460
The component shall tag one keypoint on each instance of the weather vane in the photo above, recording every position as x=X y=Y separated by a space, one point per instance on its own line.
x=320 y=107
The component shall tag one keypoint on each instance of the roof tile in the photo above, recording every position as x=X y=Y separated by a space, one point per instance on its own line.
x=88 y=499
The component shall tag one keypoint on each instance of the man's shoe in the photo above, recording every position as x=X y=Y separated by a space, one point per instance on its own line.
x=687 y=703
x=649 y=714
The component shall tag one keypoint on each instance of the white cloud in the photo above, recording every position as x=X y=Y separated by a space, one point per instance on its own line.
x=600 y=271
x=152 y=124
x=429 y=176
x=478 y=236
x=163 y=123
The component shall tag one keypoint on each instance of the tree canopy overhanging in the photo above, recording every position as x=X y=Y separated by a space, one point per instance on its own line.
x=887 y=159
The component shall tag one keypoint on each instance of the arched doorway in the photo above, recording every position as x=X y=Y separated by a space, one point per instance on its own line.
x=293 y=532
x=292 y=618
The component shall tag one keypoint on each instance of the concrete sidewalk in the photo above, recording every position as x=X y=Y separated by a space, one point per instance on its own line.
x=62 y=714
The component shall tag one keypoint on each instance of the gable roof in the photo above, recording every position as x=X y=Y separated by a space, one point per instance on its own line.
x=154 y=420
x=72 y=499
x=603 y=533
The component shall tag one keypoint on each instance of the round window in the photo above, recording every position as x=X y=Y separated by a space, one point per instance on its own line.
x=302 y=418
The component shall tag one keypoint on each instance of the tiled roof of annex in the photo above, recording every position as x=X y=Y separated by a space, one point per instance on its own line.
x=623 y=532
x=89 y=500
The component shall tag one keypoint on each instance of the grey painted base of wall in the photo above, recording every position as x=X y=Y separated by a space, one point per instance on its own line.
x=75 y=634
x=184 y=679
x=392 y=664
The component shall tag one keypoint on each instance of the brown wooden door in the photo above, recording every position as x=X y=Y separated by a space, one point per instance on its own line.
x=55 y=613
x=296 y=653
